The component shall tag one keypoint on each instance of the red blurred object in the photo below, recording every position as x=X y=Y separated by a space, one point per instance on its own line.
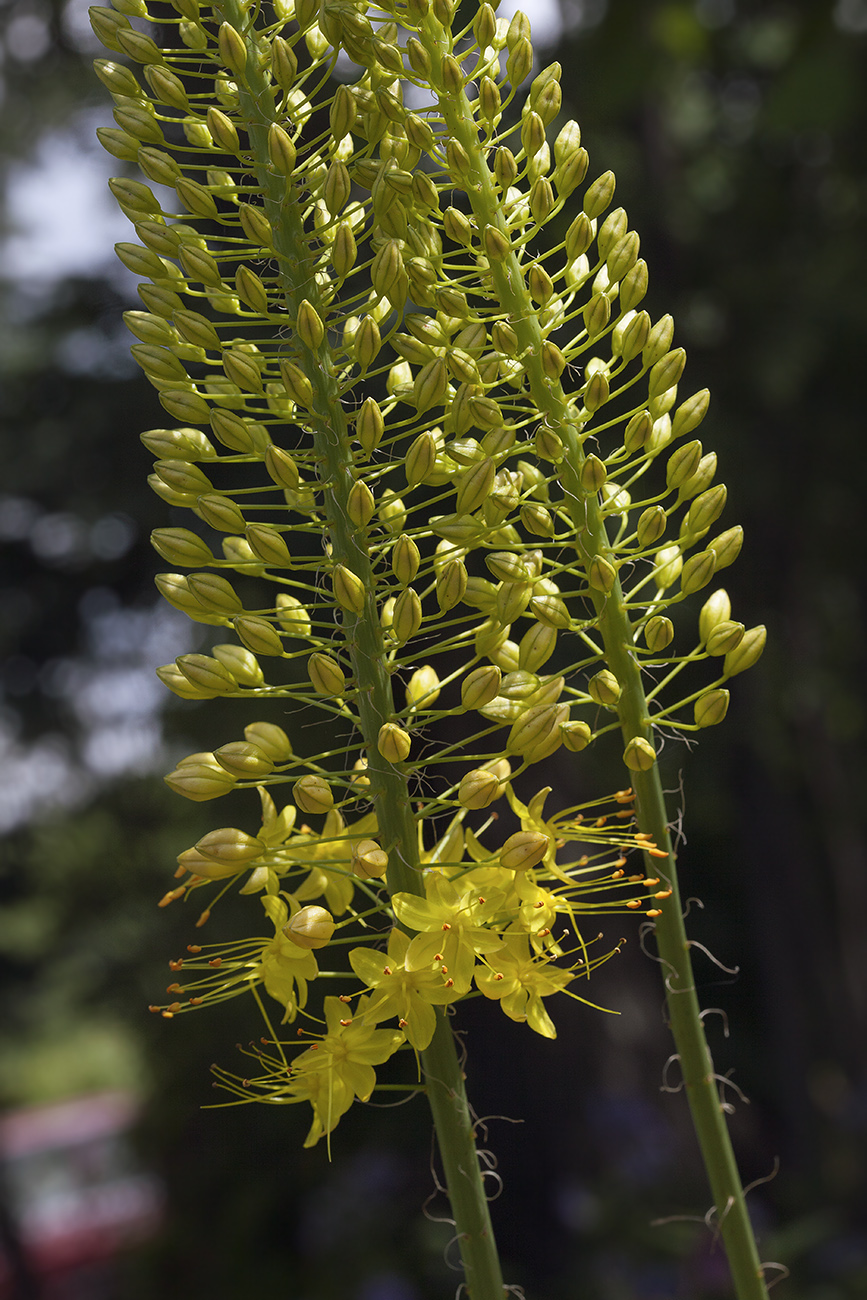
x=72 y=1191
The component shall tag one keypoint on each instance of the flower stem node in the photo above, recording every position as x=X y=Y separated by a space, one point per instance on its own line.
x=711 y=708
x=312 y=927
x=639 y=755
x=393 y=743
x=313 y=794
x=523 y=850
x=369 y=860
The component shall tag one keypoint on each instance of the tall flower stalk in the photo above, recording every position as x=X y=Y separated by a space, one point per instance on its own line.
x=446 y=467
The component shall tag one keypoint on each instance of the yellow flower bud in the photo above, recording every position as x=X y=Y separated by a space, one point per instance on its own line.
x=480 y=687
x=711 y=708
x=367 y=343
x=407 y=616
x=421 y=457
x=575 y=735
x=313 y=794
x=281 y=150
x=214 y=593
x=658 y=633
x=369 y=860
x=601 y=574
x=598 y=196
x=423 y=688
x=727 y=547
x=200 y=777
x=207 y=673
x=659 y=341
x=292 y=616
x=233 y=50
x=478 y=789
x=241 y=663
x=405 y=560
x=747 y=652
x=180 y=546
x=726 y=636
x=255 y=225
x=229 y=845
x=296 y=383
x=326 y=675
x=360 y=504
x=348 y=589
x=312 y=927
x=451 y=584
x=697 y=572
x=523 y=850
x=393 y=743
x=533 y=728
x=604 y=688
x=639 y=755
x=551 y=611
x=258 y=635
x=667 y=570
x=269 y=739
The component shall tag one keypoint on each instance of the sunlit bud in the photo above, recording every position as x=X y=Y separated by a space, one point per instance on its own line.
x=255 y=225
x=337 y=188
x=196 y=197
x=296 y=383
x=407 y=615
x=505 y=167
x=551 y=611
x=292 y=616
x=258 y=635
x=229 y=845
x=180 y=546
x=223 y=130
x=107 y=25
x=405 y=559
x=658 y=633
x=638 y=431
x=163 y=302
x=159 y=166
x=604 y=688
x=207 y=673
x=727 y=547
x=705 y=510
x=711 y=708
x=348 y=589
x=537 y=520
x=176 y=590
x=118 y=79
x=532 y=133
x=553 y=361
x=575 y=736
x=369 y=860
x=669 y=563
x=386 y=614
x=326 y=675
x=270 y=739
x=457 y=157
x=716 y=609
x=474 y=485
x=284 y=64
x=451 y=584
x=478 y=789
x=701 y=480
x=312 y=927
x=343 y=112
x=659 y=342
x=388 y=275
x=133 y=197
x=697 y=572
x=519 y=61
x=633 y=286
x=313 y=794
x=523 y=850
x=683 y=463
x=192 y=34
x=666 y=372
x=423 y=688
x=393 y=743
x=489 y=100
x=690 y=414
x=167 y=87
x=651 y=525
x=601 y=574
x=747 y=652
x=725 y=637
x=485 y=26
x=221 y=513
x=241 y=663
x=451 y=77
x=593 y=474
x=429 y=389
x=367 y=342
x=536 y=647
x=282 y=468
x=199 y=265
x=281 y=150
x=392 y=515
x=233 y=51
x=360 y=504
x=309 y=326
x=200 y=778
x=419 y=59
x=596 y=314
x=171 y=676
x=158 y=363
x=630 y=335
x=266 y=543
x=480 y=687
x=120 y=144
x=534 y=728
x=639 y=755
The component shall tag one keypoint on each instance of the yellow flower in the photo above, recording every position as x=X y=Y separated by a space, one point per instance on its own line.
x=520 y=981
x=408 y=994
x=452 y=922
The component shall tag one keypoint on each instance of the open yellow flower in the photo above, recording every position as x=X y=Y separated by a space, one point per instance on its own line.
x=520 y=981
x=396 y=991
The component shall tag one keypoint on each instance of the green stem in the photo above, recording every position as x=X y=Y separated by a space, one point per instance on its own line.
x=389 y=787
x=686 y=1024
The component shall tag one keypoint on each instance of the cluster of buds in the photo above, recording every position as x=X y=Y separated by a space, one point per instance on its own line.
x=383 y=395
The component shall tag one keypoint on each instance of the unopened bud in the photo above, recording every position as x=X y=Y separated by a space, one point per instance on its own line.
x=523 y=850
x=200 y=778
x=575 y=735
x=726 y=636
x=312 y=927
x=423 y=688
x=604 y=688
x=480 y=687
x=639 y=755
x=348 y=589
x=727 y=547
x=369 y=860
x=393 y=743
x=313 y=794
x=747 y=652
x=229 y=845
x=711 y=708
x=697 y=572
x=478 y=789
x=269 y=739
x=326 y=675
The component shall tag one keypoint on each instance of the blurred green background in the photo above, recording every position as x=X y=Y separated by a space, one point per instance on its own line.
x=738 y=134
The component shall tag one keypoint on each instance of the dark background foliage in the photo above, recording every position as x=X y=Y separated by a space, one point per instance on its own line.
x=737 y=134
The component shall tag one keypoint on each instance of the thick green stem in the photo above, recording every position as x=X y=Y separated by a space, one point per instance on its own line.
x=389 y=788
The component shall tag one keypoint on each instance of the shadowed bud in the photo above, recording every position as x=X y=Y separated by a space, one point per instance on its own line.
x=747 y=652
x=292 y=616
x=727 y=547
x=575 y=736
x=697 y=572
x=658 y=633
x=667 y=570
x=281 y=150
x=604 y=688
x=726 y=636
x=258 y=635
x=360 y=504
x=233 y=51
x=711 y=708
x=326 y=675
x=296 y=383
x=601 y=574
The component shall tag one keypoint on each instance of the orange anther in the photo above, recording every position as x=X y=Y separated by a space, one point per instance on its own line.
x=634 y=902
x=446 y=925
x=657 y=853
x=386 y=970
x=203 y=918
x=498 y=975
x=450 y=984
x=176 y=965
x=215 y=961
x=194 y=947
x=663 y=893
x=196 y=1002
x=402 y=1024
x=344 y=997
x=174 y=988
x=167 y=1015
x=654 y=911
x=615 y=875
x=346 y=1022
